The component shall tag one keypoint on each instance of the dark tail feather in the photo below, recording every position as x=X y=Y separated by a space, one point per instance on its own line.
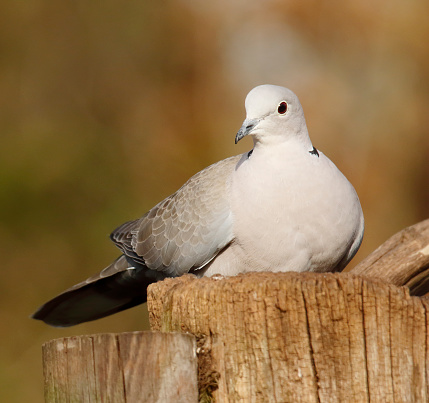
x=116 y=288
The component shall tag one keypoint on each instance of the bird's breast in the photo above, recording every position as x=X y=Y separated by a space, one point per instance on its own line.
x=293 y=213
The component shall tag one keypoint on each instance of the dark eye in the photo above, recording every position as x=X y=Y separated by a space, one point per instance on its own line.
x=282 y=108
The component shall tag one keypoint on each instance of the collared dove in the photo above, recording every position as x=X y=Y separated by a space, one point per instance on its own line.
x=283 y=206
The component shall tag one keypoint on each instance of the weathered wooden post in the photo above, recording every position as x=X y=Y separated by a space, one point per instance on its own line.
x=121 y=368
x=300 y=337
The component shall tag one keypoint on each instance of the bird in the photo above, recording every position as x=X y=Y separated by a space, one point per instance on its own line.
x=282 y=206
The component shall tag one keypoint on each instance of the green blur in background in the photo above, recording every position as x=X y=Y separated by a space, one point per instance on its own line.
x=108 y=107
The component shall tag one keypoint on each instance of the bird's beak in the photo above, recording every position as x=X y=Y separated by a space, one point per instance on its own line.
x=246 y=128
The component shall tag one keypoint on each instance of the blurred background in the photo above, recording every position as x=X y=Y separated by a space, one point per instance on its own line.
x=108 y=107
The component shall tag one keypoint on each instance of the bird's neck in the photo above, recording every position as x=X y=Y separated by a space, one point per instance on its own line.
x=299 y=140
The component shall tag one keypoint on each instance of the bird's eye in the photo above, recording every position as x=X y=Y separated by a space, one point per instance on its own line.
x=282 y=108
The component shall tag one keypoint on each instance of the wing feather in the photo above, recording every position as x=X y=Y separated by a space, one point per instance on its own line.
x=187 y=229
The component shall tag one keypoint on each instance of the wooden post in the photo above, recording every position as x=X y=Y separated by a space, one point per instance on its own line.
x=299 y=337
x=121 y=368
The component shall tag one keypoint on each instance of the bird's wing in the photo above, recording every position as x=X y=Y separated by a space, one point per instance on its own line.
x=187 y=229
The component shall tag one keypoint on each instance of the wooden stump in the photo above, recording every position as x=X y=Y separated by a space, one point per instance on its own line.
x=289 y=337
x=121 y=368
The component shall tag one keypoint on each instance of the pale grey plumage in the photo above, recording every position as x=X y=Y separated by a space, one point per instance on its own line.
x=187 y=229
x=283 y=206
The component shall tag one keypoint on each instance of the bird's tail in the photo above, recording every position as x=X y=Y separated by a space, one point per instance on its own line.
x=114 y=289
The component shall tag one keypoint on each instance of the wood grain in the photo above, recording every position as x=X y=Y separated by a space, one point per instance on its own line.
x=300 y=337
x=121 y=368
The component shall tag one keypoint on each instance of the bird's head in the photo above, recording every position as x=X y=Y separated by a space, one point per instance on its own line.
x=273 y=114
